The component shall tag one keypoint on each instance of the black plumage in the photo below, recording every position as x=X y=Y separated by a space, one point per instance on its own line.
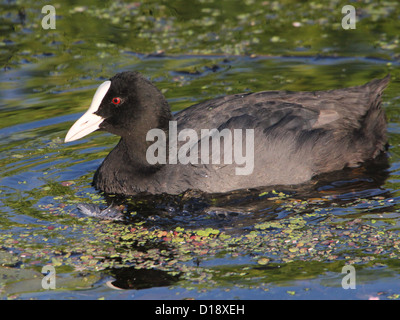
x=297 y=135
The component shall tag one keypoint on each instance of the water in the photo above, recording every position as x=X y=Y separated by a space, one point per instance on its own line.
x=264 y=244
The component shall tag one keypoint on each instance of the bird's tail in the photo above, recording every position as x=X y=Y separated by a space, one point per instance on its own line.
x=375 y=125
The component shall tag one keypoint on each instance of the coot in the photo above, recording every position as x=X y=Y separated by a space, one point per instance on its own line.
x=233 y=142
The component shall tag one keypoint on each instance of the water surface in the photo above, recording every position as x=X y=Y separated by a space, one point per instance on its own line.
x=264 y=244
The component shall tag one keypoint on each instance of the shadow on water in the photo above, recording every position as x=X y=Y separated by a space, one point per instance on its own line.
x=132 y=278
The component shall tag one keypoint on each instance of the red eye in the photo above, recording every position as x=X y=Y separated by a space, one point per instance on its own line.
x=116 y=100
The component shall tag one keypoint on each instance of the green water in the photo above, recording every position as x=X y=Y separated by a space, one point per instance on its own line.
x=263 y=245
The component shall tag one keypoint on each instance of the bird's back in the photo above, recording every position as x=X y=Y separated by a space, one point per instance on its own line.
x=297 y=134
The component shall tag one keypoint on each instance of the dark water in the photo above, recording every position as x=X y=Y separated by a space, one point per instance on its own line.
x=258 y=244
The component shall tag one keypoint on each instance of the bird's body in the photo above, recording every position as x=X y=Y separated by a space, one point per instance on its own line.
x=296 y=136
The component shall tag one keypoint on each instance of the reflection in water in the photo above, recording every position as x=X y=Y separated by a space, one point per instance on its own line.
x=131 y=278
